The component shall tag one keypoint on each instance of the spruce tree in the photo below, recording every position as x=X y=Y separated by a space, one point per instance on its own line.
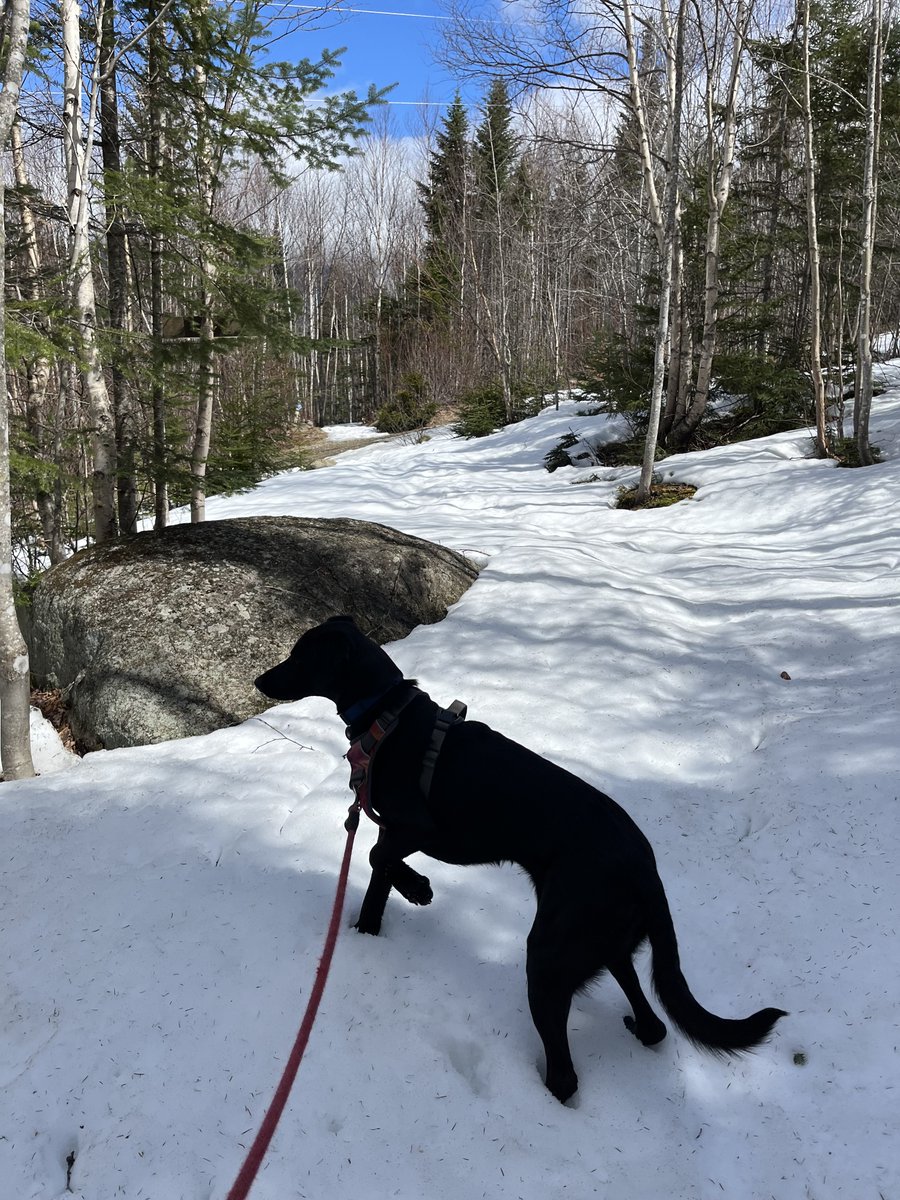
x=495 y=157
x=495 y=151
x=446 y=199
x=772 y=195
x=208 y=104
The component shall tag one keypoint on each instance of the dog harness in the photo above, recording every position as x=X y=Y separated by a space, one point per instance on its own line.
x=445 y=718
x=363 y=749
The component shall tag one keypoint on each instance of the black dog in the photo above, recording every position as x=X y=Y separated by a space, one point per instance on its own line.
x=491 y=800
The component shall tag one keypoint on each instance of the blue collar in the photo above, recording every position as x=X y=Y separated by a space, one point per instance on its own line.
x=355 y=711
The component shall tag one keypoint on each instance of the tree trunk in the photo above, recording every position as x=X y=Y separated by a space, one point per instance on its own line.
x=719 y=167
x=156 y=152
x=863 y=402
x=205 y=374
x=812 y=229
x=778 y=199
x=78 y=156
x=15 y=710
x=117 y=257
x=205 y=398
x=669 y=239
x=38 y=369
x=681 y=350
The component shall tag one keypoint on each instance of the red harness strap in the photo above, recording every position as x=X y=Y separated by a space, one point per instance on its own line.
x=360 y=756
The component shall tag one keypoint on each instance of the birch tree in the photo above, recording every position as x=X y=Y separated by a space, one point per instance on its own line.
x=117 y=270
x=863 y=390
x=15 y=712
x=242 y=106
x=724 y=34
x=493 y=161
x=812 y=228
x=206 y=171
x=664 y=214
x=44 y=432
x=78 y=144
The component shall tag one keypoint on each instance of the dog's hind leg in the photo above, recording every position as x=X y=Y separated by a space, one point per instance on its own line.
x=560 y=959
x=645 y=1024
x=550 y=999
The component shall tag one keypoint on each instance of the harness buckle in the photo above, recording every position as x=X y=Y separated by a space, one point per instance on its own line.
x=352 y=822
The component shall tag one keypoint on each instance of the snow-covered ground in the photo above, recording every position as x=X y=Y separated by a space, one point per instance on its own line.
x=162 y=909
x=350 y=433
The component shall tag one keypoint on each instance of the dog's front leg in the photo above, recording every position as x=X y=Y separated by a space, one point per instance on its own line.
x=389 y=870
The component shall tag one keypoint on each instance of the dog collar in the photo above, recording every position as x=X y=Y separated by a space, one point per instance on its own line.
x=355 y=711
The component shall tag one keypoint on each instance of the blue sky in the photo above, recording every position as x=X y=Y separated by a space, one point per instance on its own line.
x=384 y=46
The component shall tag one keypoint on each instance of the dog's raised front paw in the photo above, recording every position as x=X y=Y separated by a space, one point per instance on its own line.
x=411 y=885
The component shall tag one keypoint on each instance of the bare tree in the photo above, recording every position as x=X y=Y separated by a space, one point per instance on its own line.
x=15 y=743
x=812 y=228
x=206 y=175
x=126 y=416
x=43 y=426
x=78 y=143
x=665 y=215
x=720 y=35
x=863 y=390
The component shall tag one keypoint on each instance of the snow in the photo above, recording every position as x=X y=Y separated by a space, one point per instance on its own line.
x=350 y=432
x=47 y=751
x=162 y=909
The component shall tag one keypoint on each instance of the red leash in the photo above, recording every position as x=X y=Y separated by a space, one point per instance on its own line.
x=253 y=1161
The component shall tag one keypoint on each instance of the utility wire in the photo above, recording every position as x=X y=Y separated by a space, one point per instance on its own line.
x=372 y=12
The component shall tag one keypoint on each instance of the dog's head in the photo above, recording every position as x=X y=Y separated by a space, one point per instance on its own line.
x=335 y=660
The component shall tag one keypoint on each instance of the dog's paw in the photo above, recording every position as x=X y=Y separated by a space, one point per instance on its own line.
x=647 y=1035
x=367 y=925
x=563 y=1084
x=412 y=886
x=418 y=892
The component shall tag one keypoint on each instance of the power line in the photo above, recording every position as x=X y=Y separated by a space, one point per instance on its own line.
x=372 y=12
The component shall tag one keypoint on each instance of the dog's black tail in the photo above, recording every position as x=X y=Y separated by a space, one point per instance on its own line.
x=705 y=1029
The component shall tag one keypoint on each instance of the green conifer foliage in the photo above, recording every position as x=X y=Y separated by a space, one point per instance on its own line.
x=446 y=198
x=495 y=151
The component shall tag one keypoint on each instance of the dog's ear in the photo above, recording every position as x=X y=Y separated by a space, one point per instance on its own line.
x=333 y=639
x=344 y=617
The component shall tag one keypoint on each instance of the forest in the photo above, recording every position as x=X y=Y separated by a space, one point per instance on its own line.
x=207 y=251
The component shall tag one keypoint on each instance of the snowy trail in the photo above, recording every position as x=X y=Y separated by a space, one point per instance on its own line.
x=162 y=909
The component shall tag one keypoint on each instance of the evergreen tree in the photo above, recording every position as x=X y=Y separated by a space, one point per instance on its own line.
x=446 y=199
x=197 y=103
x=771 y=189
x=495 y=149
x=495 y=159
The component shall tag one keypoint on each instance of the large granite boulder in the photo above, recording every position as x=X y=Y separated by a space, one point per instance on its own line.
x=160 y=635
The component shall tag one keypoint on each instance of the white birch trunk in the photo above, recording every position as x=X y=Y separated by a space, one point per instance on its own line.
x=720 y=168
x=206 y=375
x=863 y=402
x=664 y=223
x=78 y=156
x=15 y=708
x=812 y=228
x=38 y=369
